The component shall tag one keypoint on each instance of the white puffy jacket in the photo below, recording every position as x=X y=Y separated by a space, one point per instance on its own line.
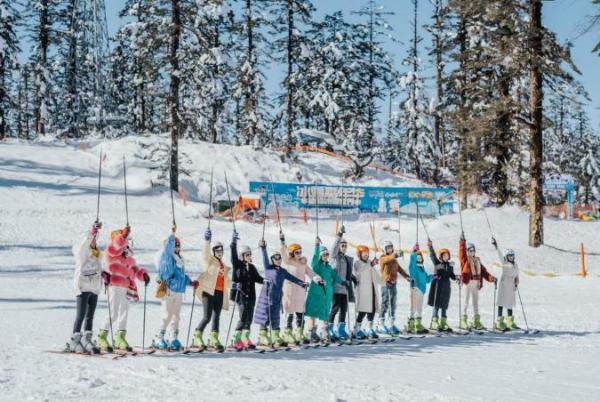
x=88 y=268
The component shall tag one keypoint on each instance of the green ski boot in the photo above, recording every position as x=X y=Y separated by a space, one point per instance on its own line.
x=435 y=324
x=277 y=340
x=510 y=323
x=410 y=326
x=288 y=336
x=444 y=325
x=463 y=323
x=500 y=325
x=299 y=336
x=197 y=341
x=477 y=324
x=102 y=341
x=121 y=342
x=418 y=326
x=214 y=343
x=263 y=338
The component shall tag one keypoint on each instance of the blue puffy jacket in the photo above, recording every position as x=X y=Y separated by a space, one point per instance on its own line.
x=418 y=274
x=169 y=271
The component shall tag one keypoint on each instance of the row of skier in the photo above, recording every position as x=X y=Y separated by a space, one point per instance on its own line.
x=307 y=294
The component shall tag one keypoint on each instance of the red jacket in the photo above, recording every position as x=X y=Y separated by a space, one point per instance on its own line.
x=123 y=269
x=465 y=271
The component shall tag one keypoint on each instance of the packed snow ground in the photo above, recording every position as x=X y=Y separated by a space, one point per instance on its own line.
x=47 y=200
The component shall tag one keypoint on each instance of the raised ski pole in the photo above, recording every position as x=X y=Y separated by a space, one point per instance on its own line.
x=187 y=342
x=125 y=187
x=523 y=310
x=229 y=201
x=459 y=299
x=399 y=232
x=276 y=204
x=265 y=217
x=342 y=210
x=488 y=222
x=210 y=198
x=99 y=182
x=460 y=216
x=144 y=320
x=424 y=227
x=417 y=204
x=317 y=210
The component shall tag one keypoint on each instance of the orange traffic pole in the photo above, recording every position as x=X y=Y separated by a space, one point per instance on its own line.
x=583 y=271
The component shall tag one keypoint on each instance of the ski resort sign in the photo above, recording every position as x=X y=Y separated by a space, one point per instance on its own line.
x=361 y=199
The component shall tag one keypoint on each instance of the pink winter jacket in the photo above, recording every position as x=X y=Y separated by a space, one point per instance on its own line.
x=123 y=270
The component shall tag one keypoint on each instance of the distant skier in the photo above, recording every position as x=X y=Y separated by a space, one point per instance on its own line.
x=440 y=289
x=245 y=278
x=390 y=268
x=170 y=267
x=368 y=281
x=87 y=282
x=214 y=283
x=320 y=291
x=268 y=309
x=473 y=272
x=507 y=289
x=294 y=297
x=121 y=275
x=418 y=286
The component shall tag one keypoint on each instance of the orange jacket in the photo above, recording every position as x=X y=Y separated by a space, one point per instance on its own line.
x=465 y=271
x=390 y=268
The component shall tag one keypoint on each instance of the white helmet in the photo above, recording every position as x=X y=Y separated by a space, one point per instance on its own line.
x=508 y=252
x=385 y=244
x=216 y=245
x=245 y=249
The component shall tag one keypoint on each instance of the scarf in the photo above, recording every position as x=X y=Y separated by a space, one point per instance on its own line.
x=474 y=265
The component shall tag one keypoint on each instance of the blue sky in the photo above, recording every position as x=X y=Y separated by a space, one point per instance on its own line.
x=565 y=17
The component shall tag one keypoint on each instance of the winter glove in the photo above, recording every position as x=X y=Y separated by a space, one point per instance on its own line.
x=174 y=228
x=105 y=278
x=235 y=237
x=374 y=262
x=516 y=281
x=412 y=283
x=400 y=254
x=207 y=235
x=304 y=285
x=342 y=231
x=494 y=243
x=126 y=231
x=429 y=243
x=318 y=241
x=146 y=279
x=281 y=237
x=262 y=243
x=462 y=236
x=97 y=225
x=317 y=279
x=355 y=280
x=416 y=247
x=195 y=284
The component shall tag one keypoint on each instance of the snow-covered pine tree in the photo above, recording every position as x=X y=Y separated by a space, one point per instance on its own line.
x=140 y=58
x=252 y=119
x=41 y=16
x=9 y=47
x=415 y=123
x=376 y=63
x=289 y=17
x=437 y=51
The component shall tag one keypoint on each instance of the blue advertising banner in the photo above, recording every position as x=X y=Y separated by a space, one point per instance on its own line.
x=363 y=199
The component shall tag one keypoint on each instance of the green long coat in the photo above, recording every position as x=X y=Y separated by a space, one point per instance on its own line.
x=319 y=298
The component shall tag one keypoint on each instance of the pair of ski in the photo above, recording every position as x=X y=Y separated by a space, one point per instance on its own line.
x=115 y=354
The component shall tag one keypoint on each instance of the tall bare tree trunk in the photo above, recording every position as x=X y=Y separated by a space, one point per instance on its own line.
x=290 y=86
x=536 y=219
x=174 y=92
x=44 y=41
x=72 y=73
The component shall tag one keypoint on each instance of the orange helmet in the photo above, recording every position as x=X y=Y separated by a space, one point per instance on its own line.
x=361 y=249
x=292 y=248
x=115 y=233
x=443 y=251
